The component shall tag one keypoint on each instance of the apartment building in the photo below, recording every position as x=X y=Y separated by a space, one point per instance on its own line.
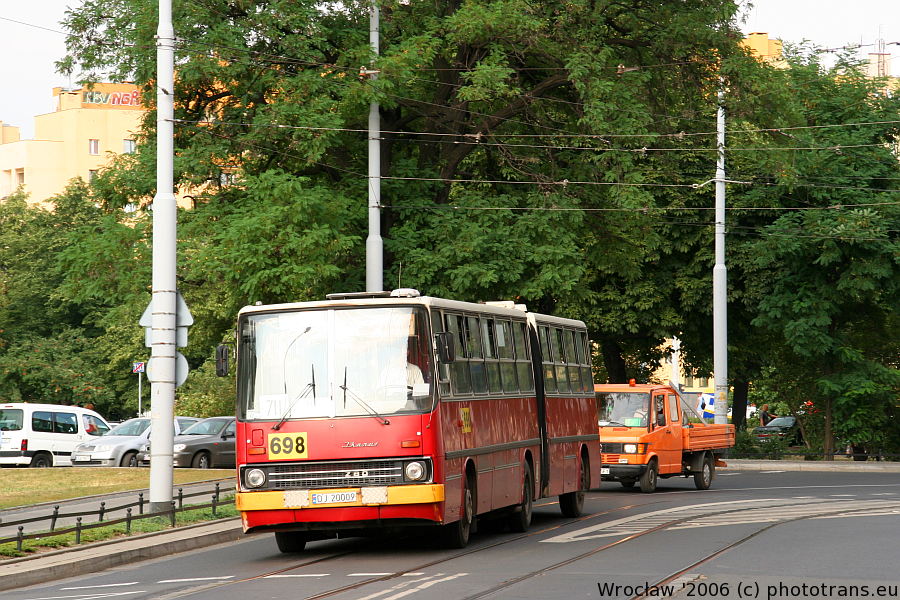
x=88 y=127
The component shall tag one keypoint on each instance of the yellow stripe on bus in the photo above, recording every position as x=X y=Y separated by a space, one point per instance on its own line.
x=398 y=494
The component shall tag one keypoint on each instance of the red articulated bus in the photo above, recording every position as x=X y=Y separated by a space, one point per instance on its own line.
x=388 y=410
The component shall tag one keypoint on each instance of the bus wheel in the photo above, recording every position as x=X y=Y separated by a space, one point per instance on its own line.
x=290 y=542
x=456 y=535
x=520 y=520
x=571 y=504
x=649 y=477
x=703 y=479
x=627 y=483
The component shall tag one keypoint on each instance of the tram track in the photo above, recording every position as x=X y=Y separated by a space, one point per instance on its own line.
x=332 y=592
x=663 y=526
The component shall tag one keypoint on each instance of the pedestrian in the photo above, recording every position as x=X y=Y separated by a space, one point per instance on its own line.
x=764 y=416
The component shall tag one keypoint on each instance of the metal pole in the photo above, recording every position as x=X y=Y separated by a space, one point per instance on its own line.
x=162 y=395
x=720 y=289
x=374 y=245
x=140 y=392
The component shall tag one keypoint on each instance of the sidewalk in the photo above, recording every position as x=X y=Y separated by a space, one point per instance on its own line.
x=60 y=564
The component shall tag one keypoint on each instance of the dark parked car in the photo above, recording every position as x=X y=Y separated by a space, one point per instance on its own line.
x=206 y=444
x=781 y=428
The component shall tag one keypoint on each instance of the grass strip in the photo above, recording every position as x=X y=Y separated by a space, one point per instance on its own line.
x=224 y=509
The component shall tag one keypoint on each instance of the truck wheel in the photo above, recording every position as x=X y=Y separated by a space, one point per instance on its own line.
x=456 y=535
x=571 y=504
x=649 y=477
x=290 y=542
x=703 y=479
x=520 y=520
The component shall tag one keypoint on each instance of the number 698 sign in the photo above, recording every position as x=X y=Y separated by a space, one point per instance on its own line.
x=287 y=445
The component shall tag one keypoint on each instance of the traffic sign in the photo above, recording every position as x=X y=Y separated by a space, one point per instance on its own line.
x=181 y=369
x=138 y=367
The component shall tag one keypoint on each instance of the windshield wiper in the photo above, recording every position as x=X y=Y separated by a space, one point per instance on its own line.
x=310 y=387
x=372 y=412
x=605 y=423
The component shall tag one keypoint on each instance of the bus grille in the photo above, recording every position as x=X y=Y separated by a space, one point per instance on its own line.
x=611 y=447
x=334 y=474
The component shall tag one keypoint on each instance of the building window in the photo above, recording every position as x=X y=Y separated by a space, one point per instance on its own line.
x=94 y=147
x=92 y=175
x=128 y=146
x=20 y=176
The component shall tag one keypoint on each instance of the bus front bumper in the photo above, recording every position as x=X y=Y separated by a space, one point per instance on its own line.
x=339 y=498
x=312 y=509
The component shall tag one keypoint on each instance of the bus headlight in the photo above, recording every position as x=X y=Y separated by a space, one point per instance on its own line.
x=415 y=471
x=255 y=478
x=630 y=448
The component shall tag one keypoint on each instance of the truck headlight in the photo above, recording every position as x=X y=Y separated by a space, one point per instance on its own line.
x=415 y=470
x=255 y=478
x=630 y=448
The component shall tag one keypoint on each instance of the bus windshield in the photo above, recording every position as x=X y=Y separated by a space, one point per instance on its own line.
x=335 y=362
x=623 y=409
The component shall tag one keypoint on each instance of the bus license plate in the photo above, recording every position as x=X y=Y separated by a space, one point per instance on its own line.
x=334 y=497
x=604 y=470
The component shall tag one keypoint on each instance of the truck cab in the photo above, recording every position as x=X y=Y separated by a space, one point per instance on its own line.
x=647 y=431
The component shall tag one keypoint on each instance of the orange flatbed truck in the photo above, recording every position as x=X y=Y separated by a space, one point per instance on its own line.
x=647 y=431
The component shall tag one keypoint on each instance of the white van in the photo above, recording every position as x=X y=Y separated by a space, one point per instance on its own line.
x=44 y=435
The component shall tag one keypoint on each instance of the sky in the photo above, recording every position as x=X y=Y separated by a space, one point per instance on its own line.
x=31 y=40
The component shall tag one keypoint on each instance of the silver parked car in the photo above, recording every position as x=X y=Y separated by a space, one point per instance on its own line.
x=120 y=445
x=206 y=444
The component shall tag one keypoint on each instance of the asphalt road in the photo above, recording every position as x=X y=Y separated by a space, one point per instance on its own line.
x=756 y=534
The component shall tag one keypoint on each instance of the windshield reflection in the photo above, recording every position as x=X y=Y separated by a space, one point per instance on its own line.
x=334 y=363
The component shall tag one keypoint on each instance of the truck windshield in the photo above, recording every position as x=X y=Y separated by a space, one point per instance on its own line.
x=623 y=409
x=335 y=362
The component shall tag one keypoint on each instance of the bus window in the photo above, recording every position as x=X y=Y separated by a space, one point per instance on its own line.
x=476 y=356
x=572 y=360
x=488 y=336
x=523 y=359
x=547 y=358
x=587 y=384
x=506 y=353
x=559 y=358
x=460 y=378
x=437 y=325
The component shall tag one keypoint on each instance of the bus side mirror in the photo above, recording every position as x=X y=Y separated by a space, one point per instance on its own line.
x=222 y=353
x=446 y=351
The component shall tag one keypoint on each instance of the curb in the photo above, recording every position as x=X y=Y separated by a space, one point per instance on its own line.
x=735 y=464
x=61 y=564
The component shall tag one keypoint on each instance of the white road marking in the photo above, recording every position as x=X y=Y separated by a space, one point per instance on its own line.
x=768 y=472
x=367 y=574
x=843 y=495
x=105 y=585
x=424 y=586
x=765 y=510
x=195 y=579
x=298 y=575
x=98 y=596
x=412 y=574
x=399 y=586
x=726 y=474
